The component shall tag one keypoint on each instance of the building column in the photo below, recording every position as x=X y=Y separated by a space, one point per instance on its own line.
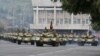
x=89 y=26
x=63 y=18
x=72 y=17
x=46 y=17
x=81 y=19
x=55 y=15
x=37 y=15
x=34 y=16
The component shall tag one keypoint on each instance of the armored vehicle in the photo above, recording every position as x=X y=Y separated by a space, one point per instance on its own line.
x=70 y=38
x=13 y=37
x=63 y=39
x=75 y=39
x=88 y=39
x=25 y=38
x=20 y=38
x=49 y=36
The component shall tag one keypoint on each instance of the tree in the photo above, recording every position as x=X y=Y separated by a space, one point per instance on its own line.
x=95 y=20
x=78 y=6
x=91 y=7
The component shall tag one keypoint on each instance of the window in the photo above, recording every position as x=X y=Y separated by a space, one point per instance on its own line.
x=49 y=20
x=83 y=21
x=50 y=11
x=87 y=21
x=42 y=21
x=67 y=21
x=61 y=21
x=57 y=21
x=76 y=21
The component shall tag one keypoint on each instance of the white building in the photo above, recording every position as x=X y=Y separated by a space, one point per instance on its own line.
x=45 y=11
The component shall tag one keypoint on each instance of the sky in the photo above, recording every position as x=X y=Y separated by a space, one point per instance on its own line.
x=19 y=10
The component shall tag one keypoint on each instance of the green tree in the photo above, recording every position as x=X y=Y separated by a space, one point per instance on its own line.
x=78 y=6
x=91 y=7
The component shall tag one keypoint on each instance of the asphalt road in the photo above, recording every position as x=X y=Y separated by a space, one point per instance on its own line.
x=11 y=49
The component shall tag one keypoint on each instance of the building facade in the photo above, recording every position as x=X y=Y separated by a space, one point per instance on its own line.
x=45 y=11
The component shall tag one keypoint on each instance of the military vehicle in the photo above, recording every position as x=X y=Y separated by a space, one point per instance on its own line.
x=49 y=37
x=70 y=38
x=25 y=38
x=88 y=39
x=63 y=39
x=7 y=36
x=1 y=36
x=13 y=37
x=75 y=39
x=19 y=38
x=30 y=37
x=32 y=41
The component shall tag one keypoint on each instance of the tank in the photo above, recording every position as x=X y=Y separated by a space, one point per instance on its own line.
x=25 y=37
x=14 y=37
x=88 y=39
x=70 y=38
x=63 y=39
x=49 y=37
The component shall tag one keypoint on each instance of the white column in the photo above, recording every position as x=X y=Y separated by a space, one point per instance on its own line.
x=89 y=25
x=54 y=14
x=72 y=17
x=63 y=18
x=81 y=18
x=46 y=17
x=37 y=14
x=34 y=16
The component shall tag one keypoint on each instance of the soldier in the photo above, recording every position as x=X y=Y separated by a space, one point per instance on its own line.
x=46 y=30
